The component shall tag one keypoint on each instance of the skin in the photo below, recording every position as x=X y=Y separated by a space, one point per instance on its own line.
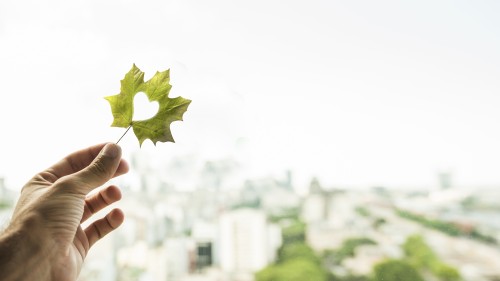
x=45 y=239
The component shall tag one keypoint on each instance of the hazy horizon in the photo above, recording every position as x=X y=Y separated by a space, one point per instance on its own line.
x=356 y=93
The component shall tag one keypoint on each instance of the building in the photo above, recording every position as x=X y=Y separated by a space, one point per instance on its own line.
x=247 y=241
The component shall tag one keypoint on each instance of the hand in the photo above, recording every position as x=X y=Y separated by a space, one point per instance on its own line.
x=45 y=240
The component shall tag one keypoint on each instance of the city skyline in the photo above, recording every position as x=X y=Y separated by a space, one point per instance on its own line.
x=254 y=231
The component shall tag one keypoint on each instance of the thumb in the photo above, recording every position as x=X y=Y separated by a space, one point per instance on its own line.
x=101 y=169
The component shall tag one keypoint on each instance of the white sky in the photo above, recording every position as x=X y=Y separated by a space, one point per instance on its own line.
x=355 y=92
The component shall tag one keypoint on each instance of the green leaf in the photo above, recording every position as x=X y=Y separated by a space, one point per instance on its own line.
x=157 y=89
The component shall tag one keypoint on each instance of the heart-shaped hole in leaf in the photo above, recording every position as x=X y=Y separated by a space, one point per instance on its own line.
x=143 y=108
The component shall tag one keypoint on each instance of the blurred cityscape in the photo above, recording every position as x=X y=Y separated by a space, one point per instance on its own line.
x=262 y=229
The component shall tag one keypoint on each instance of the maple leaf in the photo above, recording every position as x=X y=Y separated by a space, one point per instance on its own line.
x=157 y=89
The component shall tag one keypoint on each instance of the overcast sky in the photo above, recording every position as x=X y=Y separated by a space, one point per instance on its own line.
x=354 y=92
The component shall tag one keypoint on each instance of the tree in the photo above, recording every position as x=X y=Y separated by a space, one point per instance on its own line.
x=423 y=257
x=293 y=270
x=347 y=249
x=418 y=252
x=445 y=272
x=294 y=233
x=298 y=250
x=396 y=270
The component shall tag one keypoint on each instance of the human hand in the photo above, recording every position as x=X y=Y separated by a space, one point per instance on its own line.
x=45 y=239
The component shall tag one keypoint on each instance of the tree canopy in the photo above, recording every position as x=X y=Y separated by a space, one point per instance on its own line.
x=396 y=270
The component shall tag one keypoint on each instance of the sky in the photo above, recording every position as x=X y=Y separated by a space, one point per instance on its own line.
x=356 y=93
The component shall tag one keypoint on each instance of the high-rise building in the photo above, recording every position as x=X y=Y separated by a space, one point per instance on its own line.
x=203 y=255
x=445 y=180
x=204 y=235
x=315 y=187
x=247 y=241
x=2 y=188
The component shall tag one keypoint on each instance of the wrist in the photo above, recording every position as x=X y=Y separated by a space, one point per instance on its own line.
x=22 y=257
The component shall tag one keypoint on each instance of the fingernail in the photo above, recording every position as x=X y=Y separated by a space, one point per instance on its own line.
x=111 y=150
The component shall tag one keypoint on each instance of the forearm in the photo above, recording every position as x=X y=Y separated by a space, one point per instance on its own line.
x=21 y=257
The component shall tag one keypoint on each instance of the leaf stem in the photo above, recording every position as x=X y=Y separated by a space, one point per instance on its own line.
x=124 y=133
